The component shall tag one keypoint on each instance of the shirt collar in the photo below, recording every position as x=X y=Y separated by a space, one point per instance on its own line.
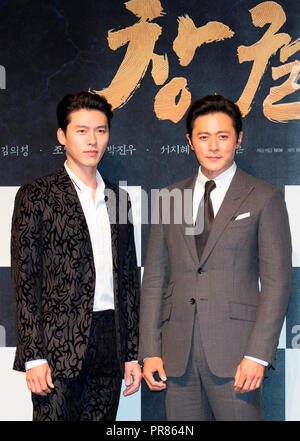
x=80 y=186
x=222 y=179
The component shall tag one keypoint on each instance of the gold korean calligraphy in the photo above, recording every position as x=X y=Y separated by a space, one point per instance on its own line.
x=173 y=98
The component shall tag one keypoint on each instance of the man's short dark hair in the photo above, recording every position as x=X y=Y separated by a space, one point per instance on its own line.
x=82 y=100
x=214 y=104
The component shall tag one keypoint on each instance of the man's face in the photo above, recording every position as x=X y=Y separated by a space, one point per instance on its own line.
x=214 y=141
x=85 y=139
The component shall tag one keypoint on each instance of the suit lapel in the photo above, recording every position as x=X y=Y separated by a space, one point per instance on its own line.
x=112 y=204
x=187 y=218
x=235 y=196
x=70 y=198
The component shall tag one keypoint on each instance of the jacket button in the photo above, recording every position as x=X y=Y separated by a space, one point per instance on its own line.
x=192 y=301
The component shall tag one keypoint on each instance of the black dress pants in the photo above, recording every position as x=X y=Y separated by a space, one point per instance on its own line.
x=94 y=394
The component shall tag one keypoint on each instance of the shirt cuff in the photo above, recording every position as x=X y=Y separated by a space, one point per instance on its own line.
x=33 y=363
x=264 y=363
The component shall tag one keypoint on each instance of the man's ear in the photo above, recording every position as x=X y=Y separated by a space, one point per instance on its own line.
x=61 y=137
x=189 y=141
x=239 y=141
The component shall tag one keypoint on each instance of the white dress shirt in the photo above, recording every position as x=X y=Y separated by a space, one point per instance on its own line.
x=97 y=220
x=217 y=196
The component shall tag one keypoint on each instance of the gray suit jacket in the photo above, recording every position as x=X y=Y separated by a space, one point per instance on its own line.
x=237 y=316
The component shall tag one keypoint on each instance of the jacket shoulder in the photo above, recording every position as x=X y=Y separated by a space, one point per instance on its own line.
x=185 y=183
x=120 y=192
x=112 y=186
x=37 y=191
x=40 y=182
x=259 y=184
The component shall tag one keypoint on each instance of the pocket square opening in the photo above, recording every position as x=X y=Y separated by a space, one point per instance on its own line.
x=242 y=216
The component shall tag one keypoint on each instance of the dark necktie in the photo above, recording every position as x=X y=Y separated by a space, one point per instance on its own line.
x=208 y=218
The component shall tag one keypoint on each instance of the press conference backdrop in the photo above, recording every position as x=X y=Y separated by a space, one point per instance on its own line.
x=151 y=59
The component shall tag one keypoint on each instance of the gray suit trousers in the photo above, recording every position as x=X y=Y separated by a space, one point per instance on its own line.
x=199 y=395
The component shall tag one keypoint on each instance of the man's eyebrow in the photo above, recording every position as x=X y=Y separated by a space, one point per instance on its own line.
x=207 y=133
x=97 y=127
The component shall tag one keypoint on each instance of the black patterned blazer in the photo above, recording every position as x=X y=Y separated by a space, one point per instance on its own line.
x=53 y=275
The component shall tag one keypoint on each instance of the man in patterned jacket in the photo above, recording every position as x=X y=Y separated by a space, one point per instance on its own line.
x=75 y=277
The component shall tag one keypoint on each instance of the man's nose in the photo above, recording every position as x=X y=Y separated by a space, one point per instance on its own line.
x=91 y=138
x=213 y=145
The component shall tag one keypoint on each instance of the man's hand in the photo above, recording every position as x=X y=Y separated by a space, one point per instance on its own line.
x=152 y=365
x=39 y=380
x=132 y=370
x=249 y=376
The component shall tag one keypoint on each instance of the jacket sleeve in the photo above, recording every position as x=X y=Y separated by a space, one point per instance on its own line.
x=26 y=271
x=154 y=286
x=131 y=292
x=275 y=269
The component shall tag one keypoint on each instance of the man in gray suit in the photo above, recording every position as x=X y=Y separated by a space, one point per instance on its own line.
x=213 y=304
